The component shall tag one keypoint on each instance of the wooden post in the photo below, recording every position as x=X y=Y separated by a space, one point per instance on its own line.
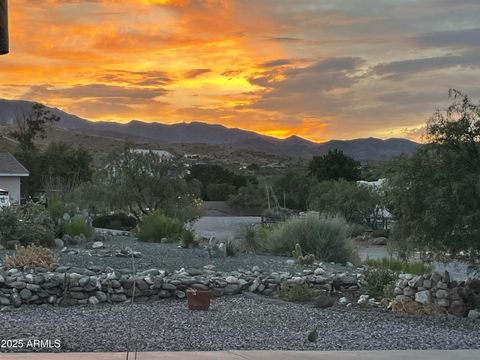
x=3 y=27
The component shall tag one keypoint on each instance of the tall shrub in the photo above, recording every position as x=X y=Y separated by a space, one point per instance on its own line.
x=323 y=236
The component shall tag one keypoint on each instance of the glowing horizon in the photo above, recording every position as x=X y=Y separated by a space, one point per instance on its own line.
x=316 y=69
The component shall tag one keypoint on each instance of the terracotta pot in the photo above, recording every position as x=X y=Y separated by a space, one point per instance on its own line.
x=198 y=299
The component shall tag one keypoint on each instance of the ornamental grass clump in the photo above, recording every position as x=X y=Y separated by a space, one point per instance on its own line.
x=322 y=236
x=31 y=256
x=298 y=293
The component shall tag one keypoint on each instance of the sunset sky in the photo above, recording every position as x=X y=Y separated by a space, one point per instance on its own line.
x=320 y=69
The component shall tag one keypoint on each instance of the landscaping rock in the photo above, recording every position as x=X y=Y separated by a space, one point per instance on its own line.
x=423 y=297
x=58 y=243
x=97 y=245
x=323 y=302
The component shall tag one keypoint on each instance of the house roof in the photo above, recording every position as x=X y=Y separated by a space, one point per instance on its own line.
x=9 y=166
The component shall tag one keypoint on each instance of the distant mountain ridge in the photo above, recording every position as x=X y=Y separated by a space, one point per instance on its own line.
x=198 y=132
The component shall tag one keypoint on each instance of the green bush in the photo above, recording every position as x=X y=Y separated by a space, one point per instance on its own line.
x=157 y=226
x=220 y=192
x=27 y=224
x=299 y=293
x=380 y=233
x=115 y=222
x=324 y=237
x=378 y=282
x=411 y=267
x=188 y=239
x=79 y=227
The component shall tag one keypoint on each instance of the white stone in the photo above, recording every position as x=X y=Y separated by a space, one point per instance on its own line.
x=231 y=280
x=474 y=314
x=290 y=262
x=97 y=245
x=256 y=268
x=343 y=300
x=93 y=300
x=363 y=299
x=423 y=297
x=349 y=264
x=319 y=271
x=408 y=276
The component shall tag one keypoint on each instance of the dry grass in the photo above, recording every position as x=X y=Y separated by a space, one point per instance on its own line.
x=31 y=256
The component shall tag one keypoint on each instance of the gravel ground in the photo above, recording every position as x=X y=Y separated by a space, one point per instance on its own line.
x=168 y=257
x=224 y=227
x=236 y=322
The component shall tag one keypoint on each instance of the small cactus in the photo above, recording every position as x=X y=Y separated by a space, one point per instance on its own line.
x=302 y=259
x=297 y=253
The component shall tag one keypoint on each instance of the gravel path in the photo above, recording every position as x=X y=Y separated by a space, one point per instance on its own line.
x=168 y=257
x=236 y=322
x=224 y=227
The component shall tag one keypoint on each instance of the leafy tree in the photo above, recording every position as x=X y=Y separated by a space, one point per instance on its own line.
x=62 y=164
x=293 y=187
x=60 y=167
x=215 y=174
x=220 y=192
x=435 y=194
x=249 y=197
x=334 y=166
x=32 y=125
x=356 y=203
x=141 y=183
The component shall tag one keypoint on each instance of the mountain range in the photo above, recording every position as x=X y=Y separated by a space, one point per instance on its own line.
x=198 y=132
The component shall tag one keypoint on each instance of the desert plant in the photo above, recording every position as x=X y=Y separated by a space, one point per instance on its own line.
x=157 y=226
x=300 y=293
x=377 y=281
x=230 y=248
x=31 y=256
x=380 y=233
x=302 y=259
x=79 y=227
x=188 y=239
x=323 y=237
x=115 y=221
x=411 y=267
x=27 y=224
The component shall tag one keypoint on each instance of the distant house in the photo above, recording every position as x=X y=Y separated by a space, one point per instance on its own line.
x=10 y=173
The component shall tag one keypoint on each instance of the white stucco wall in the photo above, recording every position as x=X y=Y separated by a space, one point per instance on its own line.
x=12 y=185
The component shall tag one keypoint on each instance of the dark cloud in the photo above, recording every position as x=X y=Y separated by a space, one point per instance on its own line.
x=452 y=38
x=139 y=78
x=308 y=89
x=96 y=91
x=191 y=74
x=405 y=68
x=278 y=62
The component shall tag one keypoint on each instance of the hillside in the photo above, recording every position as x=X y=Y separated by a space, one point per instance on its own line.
x=202 y=133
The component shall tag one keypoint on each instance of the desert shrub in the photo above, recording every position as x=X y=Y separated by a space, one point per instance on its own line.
x=230 y=248
x=324 y=237
x=79 y=227
x=249 y=197
x=156 y=226
x=188 y=239
x=411 y=267
x=220 y=192
x=377 y=281
x=115 y=222
x=31 y=256
x=300 y=293
x=27 y=224
x=380 y=233
x=357 y=229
